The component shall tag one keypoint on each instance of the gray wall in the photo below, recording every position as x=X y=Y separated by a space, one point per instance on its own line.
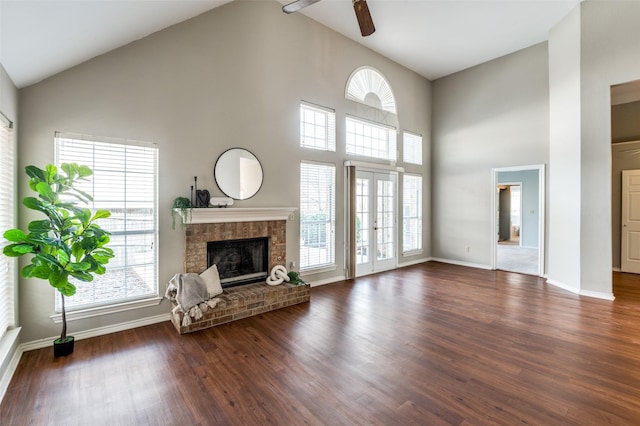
x=625 y=122
x=489 y=116
x=231 y=77
x=530 y=215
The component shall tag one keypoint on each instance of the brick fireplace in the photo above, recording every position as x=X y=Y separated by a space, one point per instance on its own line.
x=222 y=224
x=199 y=234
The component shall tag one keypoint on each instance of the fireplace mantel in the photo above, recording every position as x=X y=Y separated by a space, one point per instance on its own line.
x=237 y=214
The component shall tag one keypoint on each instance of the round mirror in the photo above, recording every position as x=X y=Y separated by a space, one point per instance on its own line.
x=238 y=173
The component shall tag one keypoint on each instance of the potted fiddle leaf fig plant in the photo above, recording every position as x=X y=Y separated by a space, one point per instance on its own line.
x=68 y=243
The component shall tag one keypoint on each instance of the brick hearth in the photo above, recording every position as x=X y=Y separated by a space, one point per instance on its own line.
x=247 y=300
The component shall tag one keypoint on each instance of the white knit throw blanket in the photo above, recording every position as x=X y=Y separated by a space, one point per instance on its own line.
x=189 y=291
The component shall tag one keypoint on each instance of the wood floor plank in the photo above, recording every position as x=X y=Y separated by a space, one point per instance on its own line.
x=430 y=344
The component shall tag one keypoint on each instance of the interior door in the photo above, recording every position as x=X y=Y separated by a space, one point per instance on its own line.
x=630 y=250
x=376 y=230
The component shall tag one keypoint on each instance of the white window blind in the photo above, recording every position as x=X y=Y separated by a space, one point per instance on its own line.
x=412 y=148
x=317 y=215
x=411 y=213
x=317 y=127
x=370 y=139
x=7 y=221
x=124 y=181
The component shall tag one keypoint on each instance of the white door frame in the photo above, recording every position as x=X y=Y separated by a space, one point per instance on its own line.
x=541 y=211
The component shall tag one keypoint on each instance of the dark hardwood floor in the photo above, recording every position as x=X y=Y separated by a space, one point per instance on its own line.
x=431 y=344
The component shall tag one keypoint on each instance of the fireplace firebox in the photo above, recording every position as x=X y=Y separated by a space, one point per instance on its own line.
x=241 y=261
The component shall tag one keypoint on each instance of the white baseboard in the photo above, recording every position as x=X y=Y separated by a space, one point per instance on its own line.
x=461 y=263
x=414 y=262
x=563 y=286
x=597 y=294
x=328 y=281
x=10 y=354
x=580 y=292
x=100 y=331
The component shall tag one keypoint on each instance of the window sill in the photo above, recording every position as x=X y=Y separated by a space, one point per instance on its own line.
x=412 y=252
x=105 y=310
x=318 y=270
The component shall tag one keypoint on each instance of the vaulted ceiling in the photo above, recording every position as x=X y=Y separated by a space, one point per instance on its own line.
x=39 y=38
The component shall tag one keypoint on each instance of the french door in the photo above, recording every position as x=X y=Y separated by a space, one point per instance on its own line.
x=376 y=218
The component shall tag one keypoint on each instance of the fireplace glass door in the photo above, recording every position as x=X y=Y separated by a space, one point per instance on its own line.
x=241 y=261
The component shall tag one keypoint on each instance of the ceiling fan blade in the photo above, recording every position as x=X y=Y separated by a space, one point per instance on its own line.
x=297 y=5
x=364 y=17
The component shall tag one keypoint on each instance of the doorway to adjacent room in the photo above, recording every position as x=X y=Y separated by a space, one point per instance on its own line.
x=518 y=225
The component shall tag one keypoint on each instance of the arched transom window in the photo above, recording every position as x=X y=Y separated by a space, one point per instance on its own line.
x=367 y=86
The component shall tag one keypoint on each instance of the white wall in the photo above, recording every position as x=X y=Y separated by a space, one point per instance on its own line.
x=231 y=77
x=489 y=116
x=609 y=55
x=8 y=341
x=563 y=268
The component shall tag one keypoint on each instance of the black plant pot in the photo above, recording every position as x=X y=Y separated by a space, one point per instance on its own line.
x=63 y=347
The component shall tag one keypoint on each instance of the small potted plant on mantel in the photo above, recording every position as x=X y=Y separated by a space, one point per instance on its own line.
x=68 y=243
x=182 y=207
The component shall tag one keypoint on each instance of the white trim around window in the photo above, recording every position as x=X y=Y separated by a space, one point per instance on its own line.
x=369 y=139
x=317 y=216
x=125 y=182
x=411 y=214
x=317 y=127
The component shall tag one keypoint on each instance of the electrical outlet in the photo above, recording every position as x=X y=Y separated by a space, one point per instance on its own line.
x=292 y=264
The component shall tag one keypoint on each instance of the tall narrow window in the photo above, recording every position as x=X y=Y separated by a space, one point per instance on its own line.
x=317 y=127
x=412 y=148
x=7 y=221
x=411 y=213
x=124 y=181
x=317 y=215
x=369 y=139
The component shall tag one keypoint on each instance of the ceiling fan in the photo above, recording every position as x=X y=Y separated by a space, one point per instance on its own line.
x=360 y=6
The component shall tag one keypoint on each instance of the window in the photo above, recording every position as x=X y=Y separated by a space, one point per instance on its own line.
x=411 y=213
x=7 y=205
x=370 y=139
x=367 y=86
x=317 y=215
x=124 y=181
x=317 y=127
x=412 y=148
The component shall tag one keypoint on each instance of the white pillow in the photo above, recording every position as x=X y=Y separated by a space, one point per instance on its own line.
x=212 y=279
